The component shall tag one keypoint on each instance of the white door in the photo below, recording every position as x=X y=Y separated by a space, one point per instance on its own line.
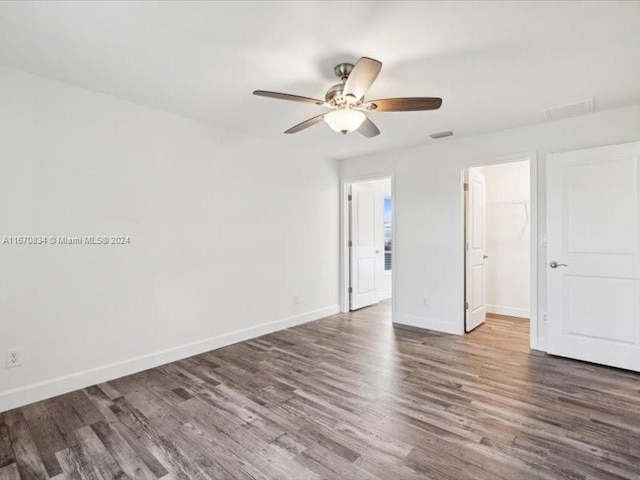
x=593 y=262
x=475 y=306
x=364 y=251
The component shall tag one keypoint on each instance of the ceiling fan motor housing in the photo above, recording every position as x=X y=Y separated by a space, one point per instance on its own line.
x=334 y=94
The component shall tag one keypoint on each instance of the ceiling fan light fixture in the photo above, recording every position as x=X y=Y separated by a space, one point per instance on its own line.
x=344 y=120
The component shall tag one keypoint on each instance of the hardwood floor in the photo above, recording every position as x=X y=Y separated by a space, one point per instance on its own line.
x=346 y=397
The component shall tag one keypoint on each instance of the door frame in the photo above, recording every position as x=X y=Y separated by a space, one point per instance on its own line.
x=535 y=243
x=344 y=237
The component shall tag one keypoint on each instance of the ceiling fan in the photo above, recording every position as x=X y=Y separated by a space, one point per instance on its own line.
x=347 y=104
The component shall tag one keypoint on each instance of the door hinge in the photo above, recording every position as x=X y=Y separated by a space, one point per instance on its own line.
x=466 y=246
x=466 y=186
x=350 y=290
x=349 y=197
x=350 y=243
x=466 y=305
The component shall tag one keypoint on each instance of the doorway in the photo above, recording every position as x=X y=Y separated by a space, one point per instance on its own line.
x=498 y=247
x=369 y=240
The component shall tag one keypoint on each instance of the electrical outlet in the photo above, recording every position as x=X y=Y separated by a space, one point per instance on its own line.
x=14 y=358
x=296 y=299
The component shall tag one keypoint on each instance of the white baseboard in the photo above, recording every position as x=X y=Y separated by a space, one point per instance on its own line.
x=68 y=383
x=429 y=324
x=509 y=311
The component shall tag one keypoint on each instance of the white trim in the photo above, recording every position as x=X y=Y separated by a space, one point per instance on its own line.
x=344 y=237
x=509 y=311
x=535 y=342
x=68 y=383
x=426 y=323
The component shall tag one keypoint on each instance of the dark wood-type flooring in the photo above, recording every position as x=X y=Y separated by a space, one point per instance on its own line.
x=346 y=397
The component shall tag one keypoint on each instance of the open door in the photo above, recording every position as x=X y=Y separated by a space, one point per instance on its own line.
x=593 y=267
x=364 y=251
x=475 y=275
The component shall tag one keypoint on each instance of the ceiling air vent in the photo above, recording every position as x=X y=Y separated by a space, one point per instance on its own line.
x=571 y=110
x=439 y=135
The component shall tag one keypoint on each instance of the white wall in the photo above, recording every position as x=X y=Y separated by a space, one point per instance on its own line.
x=508 y=267
x=224 y=229
x=428 y=206
x=382 y=190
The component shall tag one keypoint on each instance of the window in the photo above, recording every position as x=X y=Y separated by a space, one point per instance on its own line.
x=388 y=225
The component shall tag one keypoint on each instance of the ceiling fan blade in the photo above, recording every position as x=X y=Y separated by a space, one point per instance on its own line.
x=286 y=96
x=306 y=124
x=369 y=129
x=361 y=77
x=403 y=104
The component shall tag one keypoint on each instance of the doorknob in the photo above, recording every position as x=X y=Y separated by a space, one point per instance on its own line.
x=485 y=256
x=554 y=264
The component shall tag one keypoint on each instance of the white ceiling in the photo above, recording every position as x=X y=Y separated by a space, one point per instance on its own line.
x=495 y=64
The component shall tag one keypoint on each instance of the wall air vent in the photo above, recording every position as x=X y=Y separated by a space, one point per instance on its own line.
x=439 y=135
x=570 y=110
